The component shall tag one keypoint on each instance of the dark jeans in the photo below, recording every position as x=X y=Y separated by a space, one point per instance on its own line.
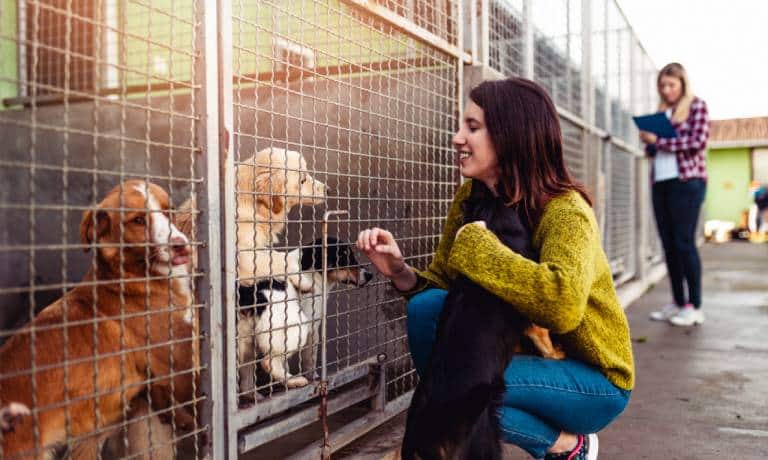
x=543 y=397
x=676 y=205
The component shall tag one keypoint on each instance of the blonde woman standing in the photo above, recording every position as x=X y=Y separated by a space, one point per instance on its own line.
x=679 y=177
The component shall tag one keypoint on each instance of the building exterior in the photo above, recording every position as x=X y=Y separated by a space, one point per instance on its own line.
x=738 y=154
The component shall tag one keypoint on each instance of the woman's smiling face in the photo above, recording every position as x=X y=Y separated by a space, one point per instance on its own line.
x=477 y=156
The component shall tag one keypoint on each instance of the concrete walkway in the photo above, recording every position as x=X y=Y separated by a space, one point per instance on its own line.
x=701 y=393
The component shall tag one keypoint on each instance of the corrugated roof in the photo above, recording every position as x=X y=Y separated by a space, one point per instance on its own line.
x=739 y=129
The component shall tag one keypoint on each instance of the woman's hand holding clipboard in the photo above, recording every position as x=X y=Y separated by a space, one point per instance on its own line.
x=656 y=123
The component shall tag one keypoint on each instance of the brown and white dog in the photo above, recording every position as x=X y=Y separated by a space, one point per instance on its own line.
x=85 y=357
x=269 y=185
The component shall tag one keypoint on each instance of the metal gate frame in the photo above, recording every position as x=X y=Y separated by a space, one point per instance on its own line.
x=230 y=433
x=213 y=142
x=229 y=423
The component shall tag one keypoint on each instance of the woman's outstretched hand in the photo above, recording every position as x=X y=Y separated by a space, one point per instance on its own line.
x=384 y=253
x=381 y=248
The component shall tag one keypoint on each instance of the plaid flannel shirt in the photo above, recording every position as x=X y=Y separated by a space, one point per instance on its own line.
x=691 y=142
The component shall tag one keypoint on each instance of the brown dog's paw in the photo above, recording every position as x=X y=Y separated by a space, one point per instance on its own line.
x=543 y=342
x=555 y=353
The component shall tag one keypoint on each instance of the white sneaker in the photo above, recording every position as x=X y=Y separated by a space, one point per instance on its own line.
x=688 y=316
x=592 y=446
x=665 y=313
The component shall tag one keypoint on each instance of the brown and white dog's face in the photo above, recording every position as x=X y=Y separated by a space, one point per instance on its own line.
x=280 y=180
x=133 y=219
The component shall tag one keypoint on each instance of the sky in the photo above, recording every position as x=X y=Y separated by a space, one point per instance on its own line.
x=723 y=44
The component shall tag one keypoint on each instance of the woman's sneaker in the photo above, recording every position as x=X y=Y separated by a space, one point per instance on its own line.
x=688 y=316
x=586 y=449
x=665 y=313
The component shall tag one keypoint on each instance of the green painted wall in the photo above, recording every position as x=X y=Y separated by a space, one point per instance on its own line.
x=8 y=53
x=161 y=44
x=336 y=34
x=158 y=44
x=729 y=173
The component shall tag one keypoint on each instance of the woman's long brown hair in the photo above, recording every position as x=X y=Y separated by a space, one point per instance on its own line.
x=525 y=131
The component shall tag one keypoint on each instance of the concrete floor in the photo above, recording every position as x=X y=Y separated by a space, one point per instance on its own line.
x=701 y=393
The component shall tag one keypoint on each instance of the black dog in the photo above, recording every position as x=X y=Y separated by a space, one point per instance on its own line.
x=454 y=410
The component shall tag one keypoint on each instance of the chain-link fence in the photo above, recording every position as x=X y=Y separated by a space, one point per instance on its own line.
x=200 y=321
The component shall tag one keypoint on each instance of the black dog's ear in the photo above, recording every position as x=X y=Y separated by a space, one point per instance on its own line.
x=246 y=295
x=338 y=251
x=310 y=257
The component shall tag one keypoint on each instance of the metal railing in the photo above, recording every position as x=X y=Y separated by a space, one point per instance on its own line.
x=257 y=117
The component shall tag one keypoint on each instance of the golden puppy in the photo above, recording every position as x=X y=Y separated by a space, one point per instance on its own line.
x=269 y=184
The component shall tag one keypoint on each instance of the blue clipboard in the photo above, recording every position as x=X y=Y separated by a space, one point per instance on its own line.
x=656 y=123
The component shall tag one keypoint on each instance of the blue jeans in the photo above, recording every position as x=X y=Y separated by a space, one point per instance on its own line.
x=676 y=205
x=543 y=396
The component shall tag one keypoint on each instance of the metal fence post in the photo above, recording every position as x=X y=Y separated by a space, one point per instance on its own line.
x=529 y=47
x=228 y=380
x=485 y=32
x=210 y=286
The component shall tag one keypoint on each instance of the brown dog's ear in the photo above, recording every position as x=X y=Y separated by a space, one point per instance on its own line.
x=87 y=235
x=184 y=216
x=274 y=202
x=269 y=188
x=277 y=203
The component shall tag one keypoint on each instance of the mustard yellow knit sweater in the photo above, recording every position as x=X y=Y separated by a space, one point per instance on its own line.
x=569 y=291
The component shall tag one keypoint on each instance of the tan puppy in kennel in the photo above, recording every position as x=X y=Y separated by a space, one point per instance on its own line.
x=269 y=184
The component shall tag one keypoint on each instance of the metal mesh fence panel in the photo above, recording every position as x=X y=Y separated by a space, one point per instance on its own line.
x=438 y=17
x=573 y=150
x=621 y=212
x=506 y=36
x=334 y=109
x=557 y=51
x=599 y=62
x=98 y=314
